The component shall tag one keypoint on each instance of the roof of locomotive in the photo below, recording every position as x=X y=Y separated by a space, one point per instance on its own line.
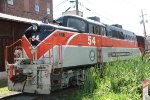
x=121 y=30
x=58 y=27
x=85 y=19
x=102 y=24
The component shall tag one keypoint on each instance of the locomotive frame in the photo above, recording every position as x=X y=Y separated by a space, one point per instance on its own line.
x=50 y=57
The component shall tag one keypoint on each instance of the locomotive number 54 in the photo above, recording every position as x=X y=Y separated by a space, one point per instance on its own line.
x=91 y=40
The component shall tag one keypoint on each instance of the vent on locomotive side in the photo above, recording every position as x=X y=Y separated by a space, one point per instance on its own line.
x=95 y=18
x=117 y=25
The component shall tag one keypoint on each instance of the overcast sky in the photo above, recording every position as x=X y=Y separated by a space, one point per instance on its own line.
x=124 y=12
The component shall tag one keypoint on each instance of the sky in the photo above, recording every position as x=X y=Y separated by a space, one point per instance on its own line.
x=124 y=12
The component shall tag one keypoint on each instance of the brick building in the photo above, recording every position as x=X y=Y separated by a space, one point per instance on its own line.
x=12 y=28
x=32 y=9
x=15 y=17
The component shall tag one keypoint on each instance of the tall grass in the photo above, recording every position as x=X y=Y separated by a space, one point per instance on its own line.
x=119 y=80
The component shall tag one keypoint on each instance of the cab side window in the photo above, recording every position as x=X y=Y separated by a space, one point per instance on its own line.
x=98 y=30
x=103 y=31
x=76 y=24
x=92 y=29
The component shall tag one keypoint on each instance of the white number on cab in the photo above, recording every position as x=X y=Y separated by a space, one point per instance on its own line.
x=91 y=40
x=35 y=37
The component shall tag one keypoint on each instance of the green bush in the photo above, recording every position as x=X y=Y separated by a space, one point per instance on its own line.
x=119 y=80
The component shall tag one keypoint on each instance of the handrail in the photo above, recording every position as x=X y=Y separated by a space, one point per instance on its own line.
x=60 y=57
x=20 y=40
x=14 y=43
x=6 y=53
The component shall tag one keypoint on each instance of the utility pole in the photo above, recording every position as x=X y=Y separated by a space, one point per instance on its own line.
x=143 y=22
x=77 y=10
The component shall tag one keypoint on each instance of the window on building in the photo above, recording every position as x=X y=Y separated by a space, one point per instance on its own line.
x=10 y=2
x=48 y=11
x=48 y=8
x=37 y=8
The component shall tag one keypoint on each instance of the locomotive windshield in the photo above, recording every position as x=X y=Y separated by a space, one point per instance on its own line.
x=73 y=22
x=36 y=34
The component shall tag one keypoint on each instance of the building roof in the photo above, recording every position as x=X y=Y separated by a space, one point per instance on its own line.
x=18 y=19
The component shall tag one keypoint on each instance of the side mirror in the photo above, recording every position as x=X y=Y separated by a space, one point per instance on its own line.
x=80 y=31
x=56 y=22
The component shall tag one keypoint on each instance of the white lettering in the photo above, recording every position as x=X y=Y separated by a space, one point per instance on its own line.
x=91 y=40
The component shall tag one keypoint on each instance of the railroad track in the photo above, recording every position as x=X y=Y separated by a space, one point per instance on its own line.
x=56 y=95
x=20 y=96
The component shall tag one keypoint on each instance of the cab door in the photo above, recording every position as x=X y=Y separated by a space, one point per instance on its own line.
x=106 y=37
x=106 y=44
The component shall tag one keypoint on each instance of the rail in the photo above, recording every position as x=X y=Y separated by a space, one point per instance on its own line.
x=50 y=53
x=60 y=57
x=7 y=47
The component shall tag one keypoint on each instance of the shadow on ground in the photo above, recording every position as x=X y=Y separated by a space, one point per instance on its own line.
x=3 y=83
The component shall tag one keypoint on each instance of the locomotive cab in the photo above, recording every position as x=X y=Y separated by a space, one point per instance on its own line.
x=74 y=22
x=37 y=33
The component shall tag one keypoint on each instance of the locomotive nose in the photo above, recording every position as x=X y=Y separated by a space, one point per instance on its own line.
x=16 y=74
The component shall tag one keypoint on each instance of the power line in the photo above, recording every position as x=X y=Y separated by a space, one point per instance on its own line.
x=94 y=10
x=131 y=4
x=60 y=4
x=88 y=9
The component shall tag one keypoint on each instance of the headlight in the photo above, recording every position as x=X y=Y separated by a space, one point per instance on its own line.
x=35 y=27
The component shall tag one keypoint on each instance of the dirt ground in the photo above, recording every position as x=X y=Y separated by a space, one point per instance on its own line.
x=63 y=94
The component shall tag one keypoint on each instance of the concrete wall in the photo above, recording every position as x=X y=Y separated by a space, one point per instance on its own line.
x=3 y=75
